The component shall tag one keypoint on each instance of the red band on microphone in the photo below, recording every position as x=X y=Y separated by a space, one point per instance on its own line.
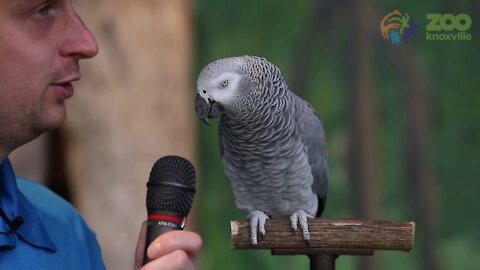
x=164 y=217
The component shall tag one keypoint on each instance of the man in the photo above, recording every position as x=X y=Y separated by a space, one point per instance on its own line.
x=41 y=43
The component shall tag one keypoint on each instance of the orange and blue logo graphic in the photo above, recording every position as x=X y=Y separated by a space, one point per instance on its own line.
x=397 y=26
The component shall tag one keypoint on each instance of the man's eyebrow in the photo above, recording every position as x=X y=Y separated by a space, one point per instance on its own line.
x=23 y=4
x=20 y=3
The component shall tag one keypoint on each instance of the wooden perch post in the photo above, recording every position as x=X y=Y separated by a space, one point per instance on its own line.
x=328 y=238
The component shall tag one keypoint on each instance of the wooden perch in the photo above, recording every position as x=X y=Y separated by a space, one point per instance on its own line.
x=354 y=237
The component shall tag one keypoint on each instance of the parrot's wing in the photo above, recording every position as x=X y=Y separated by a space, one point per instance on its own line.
x=313 y=137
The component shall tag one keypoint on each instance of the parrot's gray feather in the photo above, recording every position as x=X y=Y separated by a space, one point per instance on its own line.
x=313 y=137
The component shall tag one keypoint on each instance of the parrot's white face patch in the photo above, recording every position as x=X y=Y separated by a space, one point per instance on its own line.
x=221 y=89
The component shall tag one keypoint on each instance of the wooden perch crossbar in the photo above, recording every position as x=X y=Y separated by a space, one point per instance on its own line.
x=342 y=236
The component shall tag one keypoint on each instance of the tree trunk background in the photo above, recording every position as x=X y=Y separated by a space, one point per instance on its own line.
x=133 y=105
x=363 y=155
x=422 y=181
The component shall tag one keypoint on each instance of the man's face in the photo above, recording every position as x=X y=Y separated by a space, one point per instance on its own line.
x=41 y=43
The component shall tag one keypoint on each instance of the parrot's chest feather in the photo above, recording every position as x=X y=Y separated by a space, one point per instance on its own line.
x=267 y=164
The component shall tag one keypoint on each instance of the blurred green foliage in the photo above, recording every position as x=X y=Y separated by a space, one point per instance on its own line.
x=272 y=29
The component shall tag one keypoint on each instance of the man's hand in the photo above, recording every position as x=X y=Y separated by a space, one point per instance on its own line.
x=171 y=250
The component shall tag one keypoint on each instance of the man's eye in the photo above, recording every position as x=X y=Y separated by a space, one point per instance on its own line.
x=43 y=11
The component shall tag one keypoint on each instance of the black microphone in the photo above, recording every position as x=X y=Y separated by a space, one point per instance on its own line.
x=170 y=192
x=14 y=225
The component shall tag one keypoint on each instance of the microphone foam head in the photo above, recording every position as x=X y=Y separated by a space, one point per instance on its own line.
x=171 y=186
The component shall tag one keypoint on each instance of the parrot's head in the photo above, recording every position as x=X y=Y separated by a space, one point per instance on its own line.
x=230 y=85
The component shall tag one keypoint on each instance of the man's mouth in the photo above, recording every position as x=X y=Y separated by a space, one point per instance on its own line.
x=64 y=87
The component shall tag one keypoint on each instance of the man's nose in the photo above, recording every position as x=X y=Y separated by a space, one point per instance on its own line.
x=79 y=42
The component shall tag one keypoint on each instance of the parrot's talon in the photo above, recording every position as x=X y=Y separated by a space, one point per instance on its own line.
x=300 y=216
x=257 y=225
x=254 y=240
x=294 y=221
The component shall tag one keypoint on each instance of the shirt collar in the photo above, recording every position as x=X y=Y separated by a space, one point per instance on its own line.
x=14 y=204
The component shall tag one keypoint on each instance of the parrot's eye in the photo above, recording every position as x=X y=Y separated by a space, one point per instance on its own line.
x=225 y=83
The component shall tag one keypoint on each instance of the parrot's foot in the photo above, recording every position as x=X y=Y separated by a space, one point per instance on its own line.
x=301 y=216
x=257 y=224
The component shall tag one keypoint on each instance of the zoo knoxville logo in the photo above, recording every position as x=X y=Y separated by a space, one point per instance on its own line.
x=397 y=26
x=448 y=27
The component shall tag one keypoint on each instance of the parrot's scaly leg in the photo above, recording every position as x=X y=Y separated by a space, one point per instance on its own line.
x=301 y=216
x=257 y=224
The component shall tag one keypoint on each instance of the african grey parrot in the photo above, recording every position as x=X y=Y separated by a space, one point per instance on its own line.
x=272 y=143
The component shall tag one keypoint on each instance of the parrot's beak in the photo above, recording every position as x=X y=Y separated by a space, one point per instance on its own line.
x=207 y=109
x=202 y=108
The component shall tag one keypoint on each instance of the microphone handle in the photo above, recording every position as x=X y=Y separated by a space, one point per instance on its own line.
x=160 y=222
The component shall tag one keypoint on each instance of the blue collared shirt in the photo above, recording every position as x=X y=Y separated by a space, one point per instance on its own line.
x=53 y=235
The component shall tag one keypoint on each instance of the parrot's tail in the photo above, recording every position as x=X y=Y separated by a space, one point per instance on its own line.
x=321 y=205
